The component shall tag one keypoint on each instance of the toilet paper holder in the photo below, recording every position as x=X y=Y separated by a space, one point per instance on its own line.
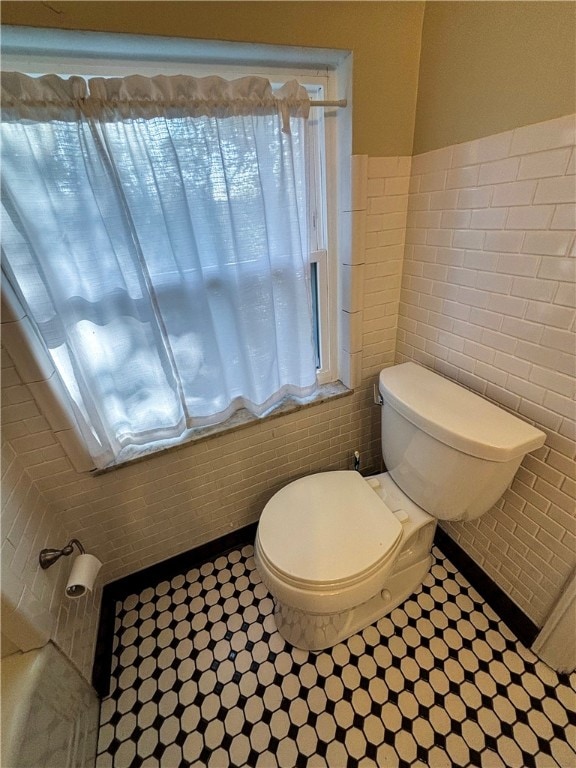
x=49 y=556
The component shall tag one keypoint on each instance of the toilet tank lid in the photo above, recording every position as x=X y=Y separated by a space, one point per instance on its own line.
x=457 y=417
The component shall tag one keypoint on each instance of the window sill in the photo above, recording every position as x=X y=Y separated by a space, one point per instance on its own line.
x=240 y=420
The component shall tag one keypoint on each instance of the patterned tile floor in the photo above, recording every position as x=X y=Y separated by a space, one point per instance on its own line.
x=201 y=677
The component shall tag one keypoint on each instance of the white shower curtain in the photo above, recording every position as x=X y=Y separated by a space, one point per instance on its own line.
x=156 y=229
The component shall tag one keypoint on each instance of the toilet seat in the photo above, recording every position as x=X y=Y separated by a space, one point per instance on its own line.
x=328 y=534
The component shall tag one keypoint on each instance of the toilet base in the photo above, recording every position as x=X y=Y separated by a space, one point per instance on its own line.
x=316 y=631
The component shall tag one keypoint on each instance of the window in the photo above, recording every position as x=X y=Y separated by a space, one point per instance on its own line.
x=143 y=342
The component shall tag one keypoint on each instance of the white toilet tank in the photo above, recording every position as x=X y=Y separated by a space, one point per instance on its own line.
x=452 y=452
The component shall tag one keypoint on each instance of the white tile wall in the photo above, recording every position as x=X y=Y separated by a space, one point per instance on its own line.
x=491 y=304
x=33 y=602
x=140 y=514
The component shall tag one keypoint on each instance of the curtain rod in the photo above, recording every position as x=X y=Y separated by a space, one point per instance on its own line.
x=337 y=103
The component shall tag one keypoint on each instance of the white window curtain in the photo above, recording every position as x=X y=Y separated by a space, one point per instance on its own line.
x=156 y=229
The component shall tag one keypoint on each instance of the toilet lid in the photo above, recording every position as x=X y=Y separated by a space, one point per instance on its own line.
x=327 y=528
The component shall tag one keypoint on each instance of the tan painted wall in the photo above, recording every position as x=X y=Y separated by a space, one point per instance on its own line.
x=487 y=67
x=384 y=37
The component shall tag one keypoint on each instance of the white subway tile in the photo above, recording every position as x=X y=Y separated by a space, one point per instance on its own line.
x=547 y=243
x=461 y=361
x=564 y=217
x=455 y=219
x=445 y=291
x=382 y=167
x=556 y=268
x=483 y=260
x=441 y=237
x=392 y=204
x=461 y=178
x=542 y=136
x=456 y=310
x=509 y=242
x=431 y=182
x=550 y=314
x=494 y=339
x=415 y=236
x=392 y=221
x=565 y=295
x=553 y=381
x=561 y=189
x=474 y=197
x=499 y=171
x=472 y=297
x=557 y=338
x=468 y=238
x=414 y=186
x=467 y=330
x=530 y=217
x=424 y=253
x=568 y=429
x=437 y=160
x=432 y=303
x=375 y=187
x=419 y=202
x=435 y=272
x=520 y=264
x=373 y=222
x=512 y=364
x=485 y=319
x=397 y=185
x=479 y=352
x=514 y=193
x=508 y=305
x=425 y=219
x=496 y=283
x=489 y=218
x=482 y=150
x=491 y=374
x=443 y=200
x=533 y=288
x=543 y=164
x=391 y=237
x=451 y=256
x=404 y=165
x=459 y=276
x=521 y=329
x=541 y=355
x=543 y=417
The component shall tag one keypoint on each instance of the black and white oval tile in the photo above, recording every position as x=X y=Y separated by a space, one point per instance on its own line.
x=201 y=677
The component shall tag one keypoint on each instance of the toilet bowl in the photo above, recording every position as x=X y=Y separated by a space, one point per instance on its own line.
x=338 y=551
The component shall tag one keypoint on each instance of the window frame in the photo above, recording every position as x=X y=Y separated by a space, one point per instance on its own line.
x=40 y=50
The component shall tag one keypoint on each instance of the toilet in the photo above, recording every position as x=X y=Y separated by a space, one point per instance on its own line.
x=338 y=551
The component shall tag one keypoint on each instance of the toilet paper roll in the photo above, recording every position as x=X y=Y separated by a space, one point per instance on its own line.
x=82 y=576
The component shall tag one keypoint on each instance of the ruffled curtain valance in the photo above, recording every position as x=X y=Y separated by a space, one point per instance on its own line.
x=136 y=96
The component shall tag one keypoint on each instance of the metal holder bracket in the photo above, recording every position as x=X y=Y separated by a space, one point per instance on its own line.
x=49 y=556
